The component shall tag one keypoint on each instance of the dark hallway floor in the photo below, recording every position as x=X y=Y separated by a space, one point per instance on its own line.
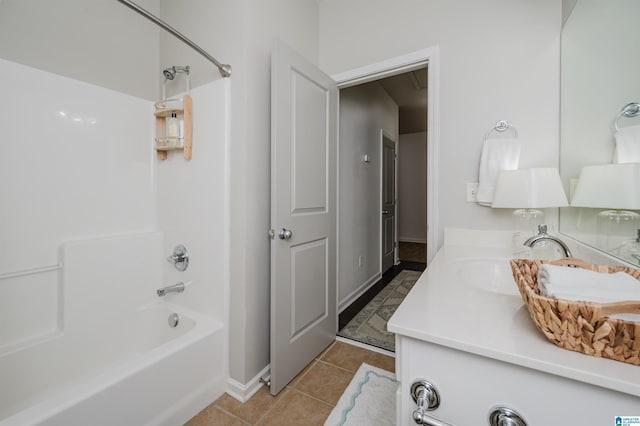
x=352 y=310
x=412 y=252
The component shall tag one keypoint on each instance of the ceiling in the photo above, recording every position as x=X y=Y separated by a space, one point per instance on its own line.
x=409 y=92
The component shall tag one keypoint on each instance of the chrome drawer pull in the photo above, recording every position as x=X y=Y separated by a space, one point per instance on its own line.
x=503 y=416
x=426 y=396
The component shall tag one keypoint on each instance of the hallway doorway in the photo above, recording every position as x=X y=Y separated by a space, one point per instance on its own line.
x=384 y=123
x=360 y=221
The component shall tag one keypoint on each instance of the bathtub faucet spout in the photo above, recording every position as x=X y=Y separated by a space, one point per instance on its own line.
x=176 y=288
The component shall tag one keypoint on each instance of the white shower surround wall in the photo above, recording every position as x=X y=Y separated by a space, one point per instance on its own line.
x=84 y=341
x=115 y=359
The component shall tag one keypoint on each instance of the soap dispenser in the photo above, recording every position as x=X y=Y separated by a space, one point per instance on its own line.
x=173 y=130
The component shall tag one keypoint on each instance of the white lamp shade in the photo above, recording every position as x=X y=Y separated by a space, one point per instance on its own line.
x=609 y=186
x=536 y=188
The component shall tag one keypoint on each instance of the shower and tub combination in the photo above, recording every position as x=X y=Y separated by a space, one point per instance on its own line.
x=120 y=354
x=97 y=327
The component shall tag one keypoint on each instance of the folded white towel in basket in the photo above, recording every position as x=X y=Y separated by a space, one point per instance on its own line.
x=627 y=145
x=497 y=154
x=562 y=282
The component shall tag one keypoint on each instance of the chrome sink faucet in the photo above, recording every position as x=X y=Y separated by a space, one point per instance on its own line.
x=176 y=288
x=543 y=236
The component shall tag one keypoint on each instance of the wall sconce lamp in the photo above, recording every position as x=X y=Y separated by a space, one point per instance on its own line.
x=615 y=187
x=528 y=190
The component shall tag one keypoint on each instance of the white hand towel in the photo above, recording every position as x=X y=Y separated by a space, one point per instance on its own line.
x=627 y=145
x=562 y=282
x=497 y=154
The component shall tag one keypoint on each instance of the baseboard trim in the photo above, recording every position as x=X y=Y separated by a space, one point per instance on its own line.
x=344 y=304
x=243 y=392
x=413 y=240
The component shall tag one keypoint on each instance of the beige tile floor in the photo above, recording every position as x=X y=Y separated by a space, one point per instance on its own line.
x=307 y=400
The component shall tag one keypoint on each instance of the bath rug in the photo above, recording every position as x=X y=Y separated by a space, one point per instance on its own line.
x=370 y=399
x=370 y=324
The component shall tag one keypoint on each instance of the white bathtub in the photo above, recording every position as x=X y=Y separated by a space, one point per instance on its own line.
x=108 y=355
x=163 y=375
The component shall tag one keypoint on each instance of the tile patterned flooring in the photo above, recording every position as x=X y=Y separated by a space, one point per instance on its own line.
x=307 y=400
x=352 y=310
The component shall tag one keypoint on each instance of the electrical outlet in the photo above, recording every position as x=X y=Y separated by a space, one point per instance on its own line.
x=360 y=262
x=472 y=191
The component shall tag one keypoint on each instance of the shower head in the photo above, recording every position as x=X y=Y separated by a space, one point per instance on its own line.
x=170 y=73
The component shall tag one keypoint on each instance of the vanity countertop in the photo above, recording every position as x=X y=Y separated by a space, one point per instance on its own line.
x=467 y=300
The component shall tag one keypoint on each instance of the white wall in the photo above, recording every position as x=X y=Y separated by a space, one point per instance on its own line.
x=296 y=23
x=412 y=187
x=100 y=42
x=364 y=111
x=499 y=59
x=216 y=26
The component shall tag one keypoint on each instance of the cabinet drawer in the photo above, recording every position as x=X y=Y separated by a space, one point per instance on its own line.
x=470 y=386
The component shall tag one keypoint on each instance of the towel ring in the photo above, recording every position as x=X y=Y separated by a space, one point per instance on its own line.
x=501 y=126
x=630 y=110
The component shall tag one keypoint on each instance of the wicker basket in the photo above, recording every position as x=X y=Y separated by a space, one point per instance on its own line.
x=581 y=326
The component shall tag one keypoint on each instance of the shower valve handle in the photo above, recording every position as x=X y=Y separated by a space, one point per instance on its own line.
x=179 y=258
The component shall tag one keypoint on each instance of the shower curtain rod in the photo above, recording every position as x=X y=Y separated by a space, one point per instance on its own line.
x=225 y=69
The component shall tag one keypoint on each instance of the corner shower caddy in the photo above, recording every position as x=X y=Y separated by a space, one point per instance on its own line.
x=183 y=109
x=180 y=134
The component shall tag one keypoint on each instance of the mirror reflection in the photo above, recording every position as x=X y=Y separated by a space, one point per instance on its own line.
x=600 y=125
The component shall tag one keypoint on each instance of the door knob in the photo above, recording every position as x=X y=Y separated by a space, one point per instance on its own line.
x=285 y=234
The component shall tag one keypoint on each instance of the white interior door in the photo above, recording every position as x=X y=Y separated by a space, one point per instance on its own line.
x=304 y=112
x=388 y=203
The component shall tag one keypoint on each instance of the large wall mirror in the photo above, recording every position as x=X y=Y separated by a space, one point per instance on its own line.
x=600 y=75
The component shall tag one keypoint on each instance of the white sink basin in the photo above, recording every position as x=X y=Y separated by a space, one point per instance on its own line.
x=489 y=274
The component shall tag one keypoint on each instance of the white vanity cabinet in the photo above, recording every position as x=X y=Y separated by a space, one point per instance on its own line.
x=471 y=386
x=464 y=328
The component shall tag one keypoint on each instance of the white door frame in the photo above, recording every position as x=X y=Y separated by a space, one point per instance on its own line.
x=393 y=66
